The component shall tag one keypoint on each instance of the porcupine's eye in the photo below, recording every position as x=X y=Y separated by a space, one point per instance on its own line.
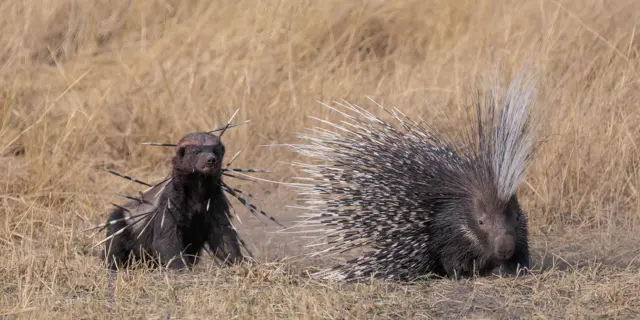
x=180 y=152
x=480 y=222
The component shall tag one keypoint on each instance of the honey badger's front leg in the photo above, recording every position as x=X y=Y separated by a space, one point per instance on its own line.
x=224 y=243
x=169 y=248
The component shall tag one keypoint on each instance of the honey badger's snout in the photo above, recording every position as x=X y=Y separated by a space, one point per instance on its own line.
x=208 y=163
x=211 y=160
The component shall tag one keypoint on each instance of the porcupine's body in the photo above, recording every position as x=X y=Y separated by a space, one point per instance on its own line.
x=425 y=205
x=179 y=215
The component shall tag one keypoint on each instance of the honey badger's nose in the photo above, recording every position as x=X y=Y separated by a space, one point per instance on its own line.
x=211 y=161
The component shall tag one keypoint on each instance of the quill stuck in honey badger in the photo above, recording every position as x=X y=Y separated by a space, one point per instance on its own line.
x=172 y=221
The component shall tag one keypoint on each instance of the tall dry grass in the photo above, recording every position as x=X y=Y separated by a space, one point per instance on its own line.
x=84 y=82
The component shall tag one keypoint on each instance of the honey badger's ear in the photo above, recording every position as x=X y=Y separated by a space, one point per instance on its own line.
x=180 y=152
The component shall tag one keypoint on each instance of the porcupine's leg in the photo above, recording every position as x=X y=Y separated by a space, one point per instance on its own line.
x=453 y=269
x=462 y=267
x=520 y=259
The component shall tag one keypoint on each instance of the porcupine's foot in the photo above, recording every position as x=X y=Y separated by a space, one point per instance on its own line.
x=511 y=270
x=518 y=265
x=460 y=270
x=456 y=271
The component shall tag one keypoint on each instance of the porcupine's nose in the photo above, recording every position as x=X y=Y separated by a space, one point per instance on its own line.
x=505 y=246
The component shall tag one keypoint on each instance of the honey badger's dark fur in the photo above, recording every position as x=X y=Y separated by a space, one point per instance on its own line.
x=182 y=214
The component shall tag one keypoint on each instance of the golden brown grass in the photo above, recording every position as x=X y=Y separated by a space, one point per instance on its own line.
x=83 y=82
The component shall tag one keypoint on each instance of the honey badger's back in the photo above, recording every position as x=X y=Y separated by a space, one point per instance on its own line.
x=424 y=205
x=180 y=214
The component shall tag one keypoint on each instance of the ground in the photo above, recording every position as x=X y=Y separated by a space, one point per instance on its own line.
x=84 y=82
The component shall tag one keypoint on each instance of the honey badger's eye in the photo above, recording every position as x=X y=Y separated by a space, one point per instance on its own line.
x=219 y=151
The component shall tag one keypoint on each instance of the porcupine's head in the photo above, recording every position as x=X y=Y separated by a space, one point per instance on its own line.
x=502 y=149
x=199 y=153
x=493 y=225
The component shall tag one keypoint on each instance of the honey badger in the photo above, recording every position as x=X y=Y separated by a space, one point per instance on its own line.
x=173 y=220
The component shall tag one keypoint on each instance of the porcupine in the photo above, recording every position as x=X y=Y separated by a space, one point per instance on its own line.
x=172 y=221
x=424 y=204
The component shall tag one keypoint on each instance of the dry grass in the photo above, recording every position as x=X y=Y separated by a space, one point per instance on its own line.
x=83 y=82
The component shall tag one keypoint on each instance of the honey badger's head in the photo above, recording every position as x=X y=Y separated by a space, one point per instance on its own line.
x=199 y=152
